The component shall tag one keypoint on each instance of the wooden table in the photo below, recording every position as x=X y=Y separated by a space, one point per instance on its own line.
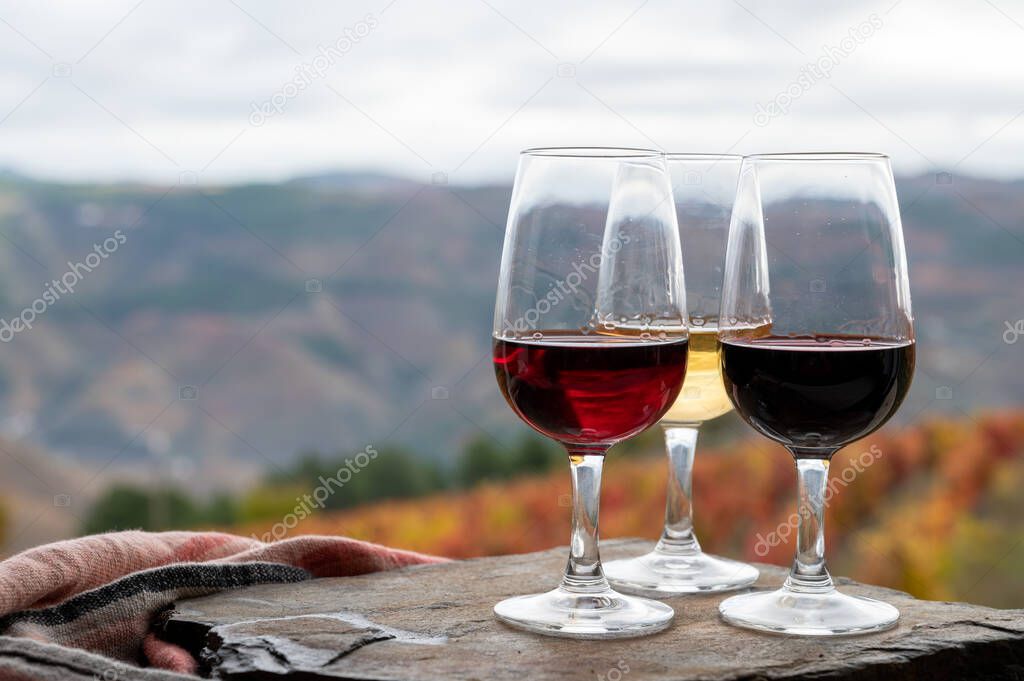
x=435 y=622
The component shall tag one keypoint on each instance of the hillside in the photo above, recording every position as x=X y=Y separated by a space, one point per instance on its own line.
x=220 y=289
x=934 y=510
x=42 y=498
x=246 y=323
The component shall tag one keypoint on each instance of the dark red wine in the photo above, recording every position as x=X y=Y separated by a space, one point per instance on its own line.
x=590 y=389
x=818 y=392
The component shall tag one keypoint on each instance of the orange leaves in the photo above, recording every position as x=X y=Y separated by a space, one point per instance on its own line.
x=907 y=500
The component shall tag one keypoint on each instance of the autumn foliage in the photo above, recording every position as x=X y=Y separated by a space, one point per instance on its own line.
x=934 y=509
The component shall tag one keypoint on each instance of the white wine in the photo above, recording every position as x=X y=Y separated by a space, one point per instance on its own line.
x=703 y=396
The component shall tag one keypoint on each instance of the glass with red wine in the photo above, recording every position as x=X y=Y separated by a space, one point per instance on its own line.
x=817 y=350
x=590 y=347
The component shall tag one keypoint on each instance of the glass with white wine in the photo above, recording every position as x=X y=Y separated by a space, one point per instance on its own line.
x=704 y=188
x=703 y=396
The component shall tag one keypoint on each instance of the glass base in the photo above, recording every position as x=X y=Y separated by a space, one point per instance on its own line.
x=661 y=574
x=602 y=614
x=830 y=613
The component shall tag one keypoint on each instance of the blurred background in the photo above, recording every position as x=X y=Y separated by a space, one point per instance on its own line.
x=248 y=253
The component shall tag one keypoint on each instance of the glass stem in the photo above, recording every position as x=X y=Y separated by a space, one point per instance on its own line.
x=809 y=574
x=678 y=537
x=583 y=573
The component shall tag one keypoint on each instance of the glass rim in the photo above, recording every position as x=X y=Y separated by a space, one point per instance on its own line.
x=701 y=156
x=592 y=152
x=820 y=156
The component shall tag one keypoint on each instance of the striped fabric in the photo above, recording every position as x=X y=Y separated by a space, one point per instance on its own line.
x=102 y=593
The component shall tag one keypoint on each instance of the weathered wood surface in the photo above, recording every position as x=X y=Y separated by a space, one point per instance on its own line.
x=435 y=622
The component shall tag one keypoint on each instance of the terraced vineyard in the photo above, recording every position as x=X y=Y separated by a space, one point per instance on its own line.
x=934 y=509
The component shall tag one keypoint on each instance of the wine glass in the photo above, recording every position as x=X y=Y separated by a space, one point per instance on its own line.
x=817 y=350
x=590 y=347
x=703 y=188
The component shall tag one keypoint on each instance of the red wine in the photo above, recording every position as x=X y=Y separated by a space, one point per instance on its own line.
x=590 y=389
x=819 y=392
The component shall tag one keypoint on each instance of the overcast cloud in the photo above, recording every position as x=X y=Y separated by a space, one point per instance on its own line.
x=147 y=91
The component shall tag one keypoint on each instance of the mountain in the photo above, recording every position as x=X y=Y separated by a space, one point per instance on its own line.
x=367 y=181
x=247 y=323
x=42 y=498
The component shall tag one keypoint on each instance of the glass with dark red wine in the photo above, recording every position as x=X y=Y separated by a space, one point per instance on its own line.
x=817 y=349
x=590 y=347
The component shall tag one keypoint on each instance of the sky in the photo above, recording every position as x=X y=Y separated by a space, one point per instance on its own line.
x=219 y=91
